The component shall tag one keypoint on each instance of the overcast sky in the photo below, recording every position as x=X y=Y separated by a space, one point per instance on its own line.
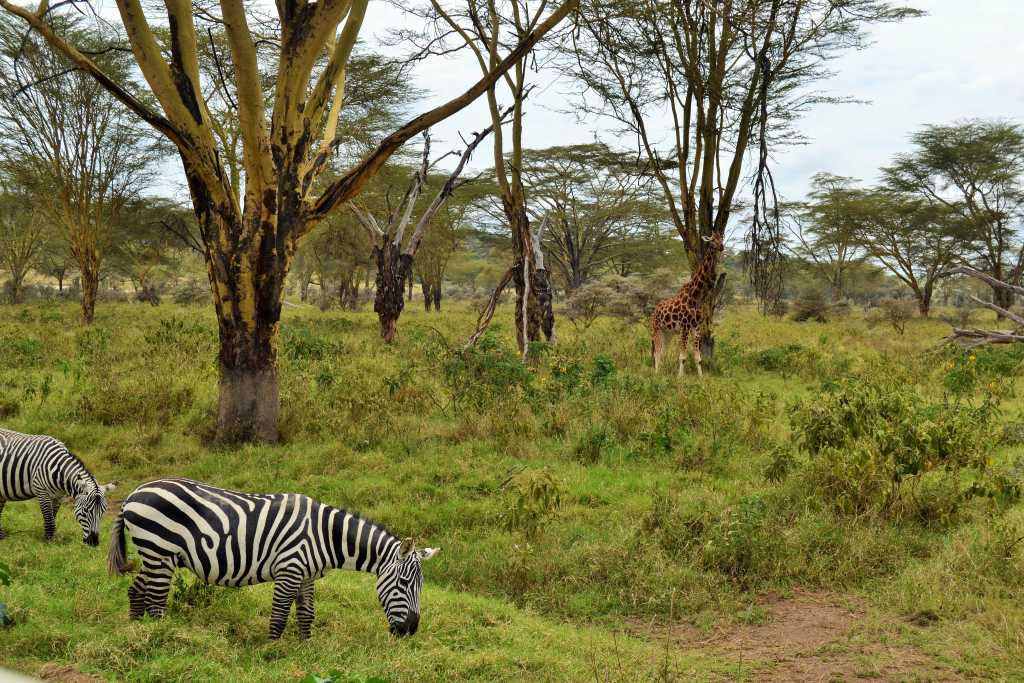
x=962 y=60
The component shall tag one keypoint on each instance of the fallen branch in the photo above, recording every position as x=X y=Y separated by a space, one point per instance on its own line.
x=484 y=321
x=970 y=339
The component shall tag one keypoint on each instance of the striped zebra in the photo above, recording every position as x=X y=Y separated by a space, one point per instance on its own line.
x=230 y=538
x=40 y=467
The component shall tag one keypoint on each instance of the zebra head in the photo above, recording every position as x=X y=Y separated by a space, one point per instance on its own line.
x=398 y=587
x=90 y=504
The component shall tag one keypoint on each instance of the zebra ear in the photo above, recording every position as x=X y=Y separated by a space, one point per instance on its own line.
x=107 y=488
x=428 y=553
x=408 y=545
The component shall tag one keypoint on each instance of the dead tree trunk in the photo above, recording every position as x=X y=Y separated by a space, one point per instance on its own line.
x=391 y=252
x=393 y=270
x=971 y=338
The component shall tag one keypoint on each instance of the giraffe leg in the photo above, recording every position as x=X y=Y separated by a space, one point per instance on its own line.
x=657 y=345
x=696 y=353
x=49 y=510
x=684 y=340
x=304 y=609
x=286 y=589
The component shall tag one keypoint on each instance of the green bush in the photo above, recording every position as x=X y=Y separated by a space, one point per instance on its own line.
x=533 y=496
x=867 y=436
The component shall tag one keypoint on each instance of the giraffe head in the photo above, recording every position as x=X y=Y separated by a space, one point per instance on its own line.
x=716 y=241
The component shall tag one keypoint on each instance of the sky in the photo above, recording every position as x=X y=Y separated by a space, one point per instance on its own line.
x=963 y=60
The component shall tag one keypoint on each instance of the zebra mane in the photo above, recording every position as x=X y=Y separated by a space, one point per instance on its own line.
x=359 y=515
x=89 y=475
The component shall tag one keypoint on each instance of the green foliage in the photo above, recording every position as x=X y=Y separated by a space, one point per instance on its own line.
x=782 y=461
x=533 y=497
x=336 y=676
x=867 y=435
x=5 y=575
x=810 y=306
x=189 y=592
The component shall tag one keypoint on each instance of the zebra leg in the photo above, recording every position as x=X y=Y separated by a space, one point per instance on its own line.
x=156 y=577
x=137 y=597
x=286 y=588
x=3 y=534
x=304 y=609
x=49 y=511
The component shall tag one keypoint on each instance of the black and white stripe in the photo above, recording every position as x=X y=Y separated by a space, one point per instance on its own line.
x=230 y=538
x=40 y=467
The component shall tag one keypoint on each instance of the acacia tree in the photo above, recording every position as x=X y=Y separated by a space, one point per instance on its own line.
x=23 y=234
x=251 y=226
x=826 y=229
x=597 y=203
x=975 y=170
x=488 y=29
x=437 y=249
x=731 y=77
x=914 y=240
x=67 y=139
x=147 y=247
x=394 y=248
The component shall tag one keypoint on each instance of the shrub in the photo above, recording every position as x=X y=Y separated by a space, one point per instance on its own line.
x=192 y=292
x=592 y=444
x=585 y=303
x=533 y=497
x=897 y=312
x=868 y=436
x=810 y=306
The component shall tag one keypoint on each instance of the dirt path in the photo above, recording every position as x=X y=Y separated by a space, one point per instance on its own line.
x=808 y=637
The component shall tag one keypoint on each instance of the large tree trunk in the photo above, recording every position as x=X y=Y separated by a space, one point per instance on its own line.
x=17 y=285
x=393 y=271
x=249 y=401
x=247 y=276
x=90 y=286
x=924 y=300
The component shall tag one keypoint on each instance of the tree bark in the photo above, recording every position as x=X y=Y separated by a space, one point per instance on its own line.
x=393 y=271
x=90 y=286
x=531 y=283
x=436 y=290
x=427 y=294
x=249 y=402
x=1003 y=299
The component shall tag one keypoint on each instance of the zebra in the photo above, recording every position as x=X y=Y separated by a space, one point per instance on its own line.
x=41 y=467
x=229 y=538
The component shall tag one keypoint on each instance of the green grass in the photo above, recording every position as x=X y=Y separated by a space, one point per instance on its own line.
x=665 y=515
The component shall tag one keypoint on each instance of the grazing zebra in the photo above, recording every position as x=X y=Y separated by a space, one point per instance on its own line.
x=238 y=539
x=37 y=466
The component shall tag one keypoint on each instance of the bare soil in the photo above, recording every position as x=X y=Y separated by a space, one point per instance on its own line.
x=807 y=637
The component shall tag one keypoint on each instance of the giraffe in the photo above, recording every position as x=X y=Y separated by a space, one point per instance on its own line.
x=683 y=312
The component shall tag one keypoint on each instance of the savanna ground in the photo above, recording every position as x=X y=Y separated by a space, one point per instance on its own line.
x=833 y=502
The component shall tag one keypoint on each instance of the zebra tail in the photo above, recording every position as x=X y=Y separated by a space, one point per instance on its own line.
x=117 y=560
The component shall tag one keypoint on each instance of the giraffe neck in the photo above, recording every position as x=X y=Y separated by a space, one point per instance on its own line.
x=704 y=277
